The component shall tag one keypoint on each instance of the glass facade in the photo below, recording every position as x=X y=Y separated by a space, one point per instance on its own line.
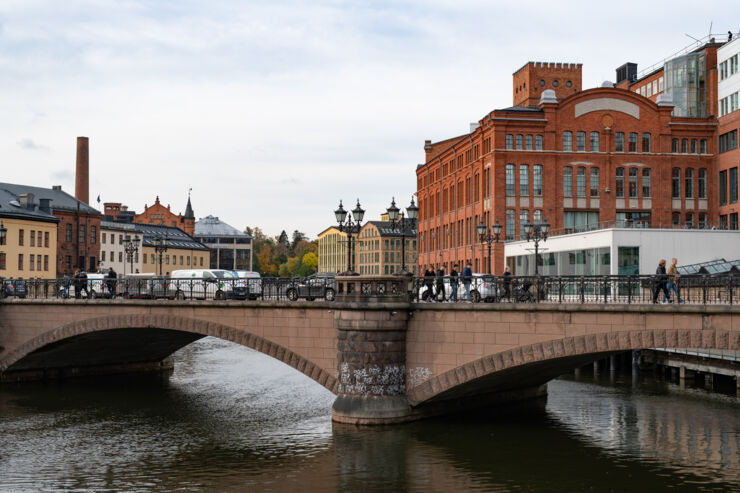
x=589 y=262
x=685 y=80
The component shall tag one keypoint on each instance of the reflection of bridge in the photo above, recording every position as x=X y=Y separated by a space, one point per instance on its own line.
x=388 y=360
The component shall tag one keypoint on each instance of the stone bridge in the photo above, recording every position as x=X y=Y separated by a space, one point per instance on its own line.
x=387 y=361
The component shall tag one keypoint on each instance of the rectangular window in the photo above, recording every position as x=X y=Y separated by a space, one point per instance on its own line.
x=581 y=141
x=703 y=146
x=581 y=181
x=69 y=232
x=633 y=182
x=93 y=234
x=21 y=234
x=723 y=187
x=655 y=87
x=723 y=70
x=723 y=221
x=649 y=90
x=523 y=220
x=509 y=141
x=38 y=262
x=537 y=180
x=728 y=141
x=510 y=180
x=733 y=221
x=693 y=146
x=660 y=84
x=702 y=220
x=519 y=142
x=32 y=238
x=619 y=142
x=2 y=261
x=733 y=185
x=567 y=141
x=676 y=183
x=646 y=142
x=20 y=261
x=510 y=224
x=684 y=145
x=529 y=142
x=31 y=262
x=674 y=146
x=733 y=64
x=646 y=183
x=620 y=182
x=689 y=220
x=524 y=179
x=81 y=236
x=102 y=255
x=633 y=142
x=703 y=183
x=46 y=239
x=594 y=141
x=538 y=142
x=594 y=182
x=689 y=181
x=567 y=181
x=92 y=264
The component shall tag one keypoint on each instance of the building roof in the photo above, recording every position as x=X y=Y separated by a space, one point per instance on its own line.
x=213 y=227
x=177 y=237
x=522 y=109
x=119 y=226
x=386 y=228
x=189 y=211
x=10 y=207
x=719 y=266
x=335 y=228
x=60 y=200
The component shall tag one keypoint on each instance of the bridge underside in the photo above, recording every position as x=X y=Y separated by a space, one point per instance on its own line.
x=104 y=352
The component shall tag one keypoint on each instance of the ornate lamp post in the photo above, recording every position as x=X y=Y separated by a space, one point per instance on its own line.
x=132 y=247
x=160 y=246
x=347 y=225
x=397 y=217
x=536 y=232
x=489 y=235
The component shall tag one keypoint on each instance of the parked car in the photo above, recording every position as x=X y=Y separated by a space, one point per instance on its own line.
x=218 y=284
x=482 y=287
x=12 y=287
x=148 y=286
x=252 y=281
x=321 y=285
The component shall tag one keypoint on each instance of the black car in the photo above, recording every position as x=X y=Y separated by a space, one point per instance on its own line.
x=13 y=287
x=316 y=286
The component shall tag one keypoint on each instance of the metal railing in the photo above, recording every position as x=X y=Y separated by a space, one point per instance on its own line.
x=605 y=289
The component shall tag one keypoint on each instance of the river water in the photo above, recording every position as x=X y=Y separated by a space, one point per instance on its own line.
x=231 y=419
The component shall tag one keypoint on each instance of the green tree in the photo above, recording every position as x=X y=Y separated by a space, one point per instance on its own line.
x=311 y=260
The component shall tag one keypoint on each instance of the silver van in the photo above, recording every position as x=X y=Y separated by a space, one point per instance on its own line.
x=252 y=281
x=204 y=284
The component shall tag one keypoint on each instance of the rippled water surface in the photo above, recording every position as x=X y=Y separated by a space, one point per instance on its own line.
x=231 y=419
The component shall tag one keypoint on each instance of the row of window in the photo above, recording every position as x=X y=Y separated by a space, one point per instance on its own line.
x=524 y=180
x=701 y=148
x=166 y=259
x=580 y=182
x=120 y=256
x=729 y=104
x=728 y=67
x=528 y=142
x=731 y=224
x=728 y=141
x=34 y=262
x=81 y=233
x=723 y=188
x=510 y=224
x=35 y=238
x=651 y=88
x=120 y=239
x=677 y=145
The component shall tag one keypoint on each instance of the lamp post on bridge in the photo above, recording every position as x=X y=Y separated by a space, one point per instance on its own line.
x=536 y=232
x=161 y=245
x=397 y=217
x=489 y=235
x=347 y=225
x=131 y=247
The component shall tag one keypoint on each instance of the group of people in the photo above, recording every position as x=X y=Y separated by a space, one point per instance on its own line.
x=666 y=282
x=81 y=285
x=435 y=285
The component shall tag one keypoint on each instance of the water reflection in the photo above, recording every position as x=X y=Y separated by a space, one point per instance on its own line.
x=230 y=419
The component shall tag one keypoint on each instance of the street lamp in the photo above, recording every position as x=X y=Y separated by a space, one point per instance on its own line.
x=347 y=225
x=132 y=247
x=396 y=216
x=536 y=232
x=489 y=235
x=160 y=246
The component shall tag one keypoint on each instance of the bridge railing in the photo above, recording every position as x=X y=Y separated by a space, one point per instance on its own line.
x=625 y=289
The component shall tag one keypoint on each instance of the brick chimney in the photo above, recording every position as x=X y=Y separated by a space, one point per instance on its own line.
x=82 y=173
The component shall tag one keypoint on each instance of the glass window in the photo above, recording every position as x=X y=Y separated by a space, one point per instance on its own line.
x=509 y=141
x=676 y=183
x=633 y=182
x=69 y=232
x=567 y=141
x=594 y=182
x=633 y=142
x=703 y=183
x=660 y=84
x=702 y=220
x=529 y=142
x=594 y=142
x=728 y=141
x=581 y=181
x=693 y=146
x=523 y=220
x=684 y=145
x=620 y=182
x=580 y=221
x=689 y=181
x=703 y=146
x=674 y=146
x=628 y=260
x=524 y=179
x=537 y=180
x=538 y=142
x=510 y=180
x=510 y=224
x=733 y=185
x=537 y=217
x=519 y=142
x=646 y=142
x=723 y=187
x=646 y=182
x=649 y=90
x=619 y=142
x=733 y=221
x=567 y=181
x=581 y=141
x=689 y=220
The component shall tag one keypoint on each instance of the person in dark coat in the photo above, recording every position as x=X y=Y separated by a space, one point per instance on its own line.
x=111 y=282
x=661 y=282
x=453 y=283
x=80 y=283
x=440 y=284
x=467 y=277
x=507 y=283
x=429 y=284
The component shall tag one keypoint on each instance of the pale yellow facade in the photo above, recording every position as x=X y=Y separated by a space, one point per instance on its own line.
x=380 y=254
x=174 y=259
x=333 y=250
x=29 y=250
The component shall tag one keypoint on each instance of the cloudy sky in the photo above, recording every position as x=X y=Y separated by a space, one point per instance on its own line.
x=272 y=111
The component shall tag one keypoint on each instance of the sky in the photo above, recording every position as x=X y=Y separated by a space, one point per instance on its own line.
x=273 y=111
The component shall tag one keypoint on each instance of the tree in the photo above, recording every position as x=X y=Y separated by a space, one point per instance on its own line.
x=311 y=261
x=283 y=239
x=263 y=258
x=297 y=237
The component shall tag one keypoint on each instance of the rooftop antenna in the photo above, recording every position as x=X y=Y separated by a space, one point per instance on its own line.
x=690 y=36
x=710 y=28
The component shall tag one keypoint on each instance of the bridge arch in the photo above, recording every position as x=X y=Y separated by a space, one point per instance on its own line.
x=172 y=323
x=535 y=364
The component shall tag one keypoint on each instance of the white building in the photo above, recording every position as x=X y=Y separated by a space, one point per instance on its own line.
x=112 y=252
x=616 y=251
x=728 y=83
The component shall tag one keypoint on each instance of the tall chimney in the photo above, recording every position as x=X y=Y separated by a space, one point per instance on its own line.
x=82 y=173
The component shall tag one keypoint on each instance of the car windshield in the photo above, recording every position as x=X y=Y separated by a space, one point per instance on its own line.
x=223 y=274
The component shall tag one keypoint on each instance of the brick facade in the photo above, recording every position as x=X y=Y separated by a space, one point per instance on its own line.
x=157 y=214
x=78 y=238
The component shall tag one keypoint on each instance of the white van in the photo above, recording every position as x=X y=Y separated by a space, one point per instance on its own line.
x=252 y=281
x=217 y=284
x=96 y=286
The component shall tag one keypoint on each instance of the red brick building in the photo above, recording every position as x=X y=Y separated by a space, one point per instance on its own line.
x=158 y=214
x=575 y=159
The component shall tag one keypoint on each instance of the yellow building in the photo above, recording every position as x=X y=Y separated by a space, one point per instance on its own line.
x=28 y=248
x=183 y=251
x=379 y=249
x=333 y=250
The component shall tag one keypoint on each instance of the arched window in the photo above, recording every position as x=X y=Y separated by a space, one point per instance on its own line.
x=594 y=142
x=509 y=141
x=619 y=142
x=674 y=146
x=676 y=183
x=529 y=142
x=567 y=181
x=581 y=141
x=646 y=142
x=633 y=142
x=519 y=142
x=581 y=181
x=702 y=183
x=538 y=142
x=689 y=181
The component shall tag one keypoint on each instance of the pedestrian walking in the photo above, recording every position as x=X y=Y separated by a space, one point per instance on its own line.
x=661 y=280
x=467 y=277
x=80 y=283
x=111 y=282
x=507 y=283
x=429 y=284
x=453 y=283
x=672 y=285
x=440 y=284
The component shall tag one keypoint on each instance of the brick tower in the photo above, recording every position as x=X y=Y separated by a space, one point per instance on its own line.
x=535 y=77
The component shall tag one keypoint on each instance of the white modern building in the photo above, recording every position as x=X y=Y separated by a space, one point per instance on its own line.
x=728 y=86
x=113 y=238
x=616 y=251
